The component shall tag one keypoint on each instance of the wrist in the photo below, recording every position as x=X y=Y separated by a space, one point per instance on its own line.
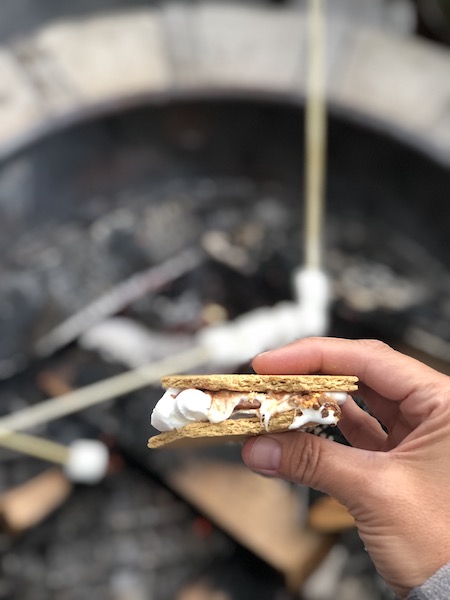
x=436 y=586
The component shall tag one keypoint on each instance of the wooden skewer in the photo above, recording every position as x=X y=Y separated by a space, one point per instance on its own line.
x=116 y=299
x=85 y=461
x=37 y=447
x=316 y=135
x=104 y=390
x=28 y=504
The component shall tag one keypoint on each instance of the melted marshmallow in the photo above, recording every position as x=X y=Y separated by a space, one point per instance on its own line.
x=271 y=407
x=312 y=415
x=178 y=408
x=338 y=397
x=222 y=411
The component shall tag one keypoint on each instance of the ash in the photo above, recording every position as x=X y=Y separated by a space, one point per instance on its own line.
x=127 y=538
x=112 y=198
x=248 y=241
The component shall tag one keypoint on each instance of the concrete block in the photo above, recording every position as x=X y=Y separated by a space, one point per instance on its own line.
x=20 y=107
x=402 y=81
x=250 y=48
x=108 y=56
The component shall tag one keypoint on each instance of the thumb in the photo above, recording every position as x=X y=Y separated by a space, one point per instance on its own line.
x=313 y=461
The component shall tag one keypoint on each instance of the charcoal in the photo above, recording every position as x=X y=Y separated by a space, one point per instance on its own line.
x=118 y=543
x=385 y=267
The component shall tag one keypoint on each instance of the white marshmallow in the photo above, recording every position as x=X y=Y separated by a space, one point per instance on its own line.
x=266 y=328
x=262 y=329
x=312 y=290
x=194 y=404
x=88 y=461
x=165 y=415
x=177 y=408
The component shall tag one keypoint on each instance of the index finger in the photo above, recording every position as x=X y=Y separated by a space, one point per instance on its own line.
x=383 y=369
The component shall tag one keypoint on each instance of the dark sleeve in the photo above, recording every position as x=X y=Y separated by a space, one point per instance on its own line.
x=435 y=588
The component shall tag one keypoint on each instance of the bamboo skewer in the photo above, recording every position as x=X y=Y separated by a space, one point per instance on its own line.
x=104 y=390
x=26 y=505
x=85 y=460
x=315 y=136
x=117 y=299
x=133 y=380
x=35 y=446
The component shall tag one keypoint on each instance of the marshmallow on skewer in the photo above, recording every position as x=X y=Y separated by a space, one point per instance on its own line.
x=83 y=461
x=87 y=461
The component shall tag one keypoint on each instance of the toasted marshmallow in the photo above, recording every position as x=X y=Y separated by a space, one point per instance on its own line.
x=270 y=407
x=313 y=415
x=177 y=408
x=219 y=408
x=338 y=397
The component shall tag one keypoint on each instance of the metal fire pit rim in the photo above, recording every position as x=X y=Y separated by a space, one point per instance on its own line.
x=65 y=121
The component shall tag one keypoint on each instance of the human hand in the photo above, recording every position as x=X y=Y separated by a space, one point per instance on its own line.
x=395 y=484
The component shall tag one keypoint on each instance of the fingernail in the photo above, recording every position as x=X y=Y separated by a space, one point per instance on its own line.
x=265 y=454
x=264 y=353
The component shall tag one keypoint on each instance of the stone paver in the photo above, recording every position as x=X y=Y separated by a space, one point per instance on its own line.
x=400 y=81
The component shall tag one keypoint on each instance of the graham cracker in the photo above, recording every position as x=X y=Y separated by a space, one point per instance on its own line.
x=263 y=383
x=232 y=430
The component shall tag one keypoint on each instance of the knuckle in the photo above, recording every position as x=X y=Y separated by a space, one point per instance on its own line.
x=302 y=461
x=375 y=345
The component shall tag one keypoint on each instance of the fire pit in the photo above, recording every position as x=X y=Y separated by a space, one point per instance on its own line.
x=88 y=205
x=161 y=184
x=98 y=201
